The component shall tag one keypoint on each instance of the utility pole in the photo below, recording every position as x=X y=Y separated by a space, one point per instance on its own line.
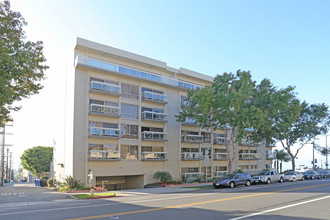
x=10 y=168
x=326 y=156
x=313 y=157
x=7 y=165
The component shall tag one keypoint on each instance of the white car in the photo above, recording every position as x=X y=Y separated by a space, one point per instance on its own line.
x=293 y=176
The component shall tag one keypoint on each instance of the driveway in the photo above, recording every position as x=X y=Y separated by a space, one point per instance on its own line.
x=27 y=192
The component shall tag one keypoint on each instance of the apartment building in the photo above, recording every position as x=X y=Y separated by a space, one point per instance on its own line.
x=121 y=126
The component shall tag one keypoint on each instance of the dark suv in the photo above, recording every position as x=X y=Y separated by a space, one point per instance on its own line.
x=232 y=180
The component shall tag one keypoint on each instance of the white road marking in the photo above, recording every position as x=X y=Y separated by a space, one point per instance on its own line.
x=279 y=208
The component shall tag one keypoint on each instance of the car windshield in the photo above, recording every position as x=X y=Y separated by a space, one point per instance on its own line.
x=289 y=173
x=264 y=173
x=228 y=176
x=308 y=172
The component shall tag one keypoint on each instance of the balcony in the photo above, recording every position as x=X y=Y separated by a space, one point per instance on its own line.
x=189 y=177
x=190 y=156
x=248 y=142
x=219 y=140
x=153 y=156
x=103 y=155
x=220 y=156
x=155 y=97
x=219 y=173
x=154 y=136
x=189 y=121
x=104 y=132
x=190 y=138
x=271 y=145
x=105 y=88
x=154 y=116
x=104 y=110
x=270 y=156
x=249 y=156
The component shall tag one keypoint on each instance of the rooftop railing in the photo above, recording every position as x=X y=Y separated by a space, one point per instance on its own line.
x=107 y=66
x=105 y=87
x=104 y=110
x=154 y=116
x=154 y=156
x=152 y=135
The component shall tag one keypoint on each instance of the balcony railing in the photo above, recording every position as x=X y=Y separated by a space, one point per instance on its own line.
x=152 y=135
x=152 y=96
x=154 y=156
x=249 y=156
x=219 y=173
x=270 y=156
x=105 y=87
x=192 y=176
x=104 y=132
x=154 y=116
x=190 y=156
x=248 y=142
x=190 y=138
x=219 y=140
x=220 y=156
x=190 y=121
x=103 y=65
x=105 y=110
x=103 y=155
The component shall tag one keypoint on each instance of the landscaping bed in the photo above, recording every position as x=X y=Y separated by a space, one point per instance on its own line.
x=96 y=195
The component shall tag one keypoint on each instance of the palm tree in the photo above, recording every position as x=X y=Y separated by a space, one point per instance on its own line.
x=163 y=176
x=281 y=156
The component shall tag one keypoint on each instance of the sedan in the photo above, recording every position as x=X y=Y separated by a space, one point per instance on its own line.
x=293 y=176
x=311 y=174
x=324 y=173
x=233 y=180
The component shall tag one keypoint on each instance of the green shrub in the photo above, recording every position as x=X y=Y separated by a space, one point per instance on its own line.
x=238 y=171
x=71 y=182
x=63 y=189
x=51 y=182
x=163 y=176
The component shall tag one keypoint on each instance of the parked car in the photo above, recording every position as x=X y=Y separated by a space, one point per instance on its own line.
x=268 y=177
x=293 y=176
x=324 y=173
x=232 y=180
x=311 y=174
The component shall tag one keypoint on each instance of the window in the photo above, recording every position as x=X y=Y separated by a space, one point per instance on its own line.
x=102 y=147
x=190 y=150
x=129 y=131
x=152 y=149
x=143 y=109
x=151 y=90
x=97 y=102
x=208 y=171
x=220 y=168
x=129 y=152
x=129 y=111
x=151 y=129
x=102 y=125
x=130 y=91
x=206 y=137
x=189 y=169
x=220 y=151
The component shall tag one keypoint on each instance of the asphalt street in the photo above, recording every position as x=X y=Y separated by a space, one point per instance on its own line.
x=297 y=200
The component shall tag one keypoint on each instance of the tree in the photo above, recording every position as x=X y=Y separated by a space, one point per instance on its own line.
x=281 y=156
x=293 y=123
x=21 y=62
x=228 y=105
x=37 y=160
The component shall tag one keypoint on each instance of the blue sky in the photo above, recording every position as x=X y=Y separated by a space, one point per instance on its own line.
x=284 y=41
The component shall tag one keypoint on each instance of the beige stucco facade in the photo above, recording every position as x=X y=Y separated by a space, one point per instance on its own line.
x=121 y=125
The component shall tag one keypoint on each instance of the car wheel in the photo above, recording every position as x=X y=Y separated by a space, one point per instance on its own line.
x=231 y=184
x=293 y=179
x=248 y=183
x=312 y=177
x=268 y=181
x=281 y=180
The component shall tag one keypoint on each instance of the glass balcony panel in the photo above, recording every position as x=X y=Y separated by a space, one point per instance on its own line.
x=249 y=156
x=220 y=173
x=154 y=156
x=105 y=87
x=104 y=109
x=192 y=176
x=154 y=116
x=104 y=132
x=220 y=156
x=219 y=140
x=104 y=155
x=192 y=138
x=154 y=96
x=151 y=135
x=190 y=156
